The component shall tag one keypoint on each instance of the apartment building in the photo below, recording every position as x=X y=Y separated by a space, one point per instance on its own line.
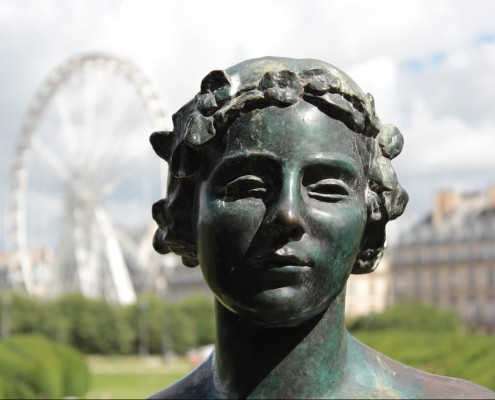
x=448 y=259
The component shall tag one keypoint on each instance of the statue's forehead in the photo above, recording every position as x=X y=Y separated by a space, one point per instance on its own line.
x=298 y=131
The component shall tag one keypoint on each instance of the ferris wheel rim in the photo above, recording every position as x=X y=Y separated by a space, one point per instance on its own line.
x=16 y=202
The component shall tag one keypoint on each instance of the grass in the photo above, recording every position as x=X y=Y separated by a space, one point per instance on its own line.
x=132 y=377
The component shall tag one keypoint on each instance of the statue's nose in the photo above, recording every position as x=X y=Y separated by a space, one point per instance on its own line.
x=288 y=223
x=285 y=215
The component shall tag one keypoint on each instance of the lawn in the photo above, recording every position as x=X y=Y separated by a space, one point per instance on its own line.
x=132 y=377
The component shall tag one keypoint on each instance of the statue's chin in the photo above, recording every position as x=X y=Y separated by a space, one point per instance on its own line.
x=283 y=307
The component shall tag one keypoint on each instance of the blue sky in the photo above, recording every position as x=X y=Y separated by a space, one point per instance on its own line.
x=429 y=64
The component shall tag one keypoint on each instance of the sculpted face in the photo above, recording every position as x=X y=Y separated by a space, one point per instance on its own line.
x=281 y=214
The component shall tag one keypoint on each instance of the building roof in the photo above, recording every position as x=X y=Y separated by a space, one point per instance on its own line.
x=455 y=218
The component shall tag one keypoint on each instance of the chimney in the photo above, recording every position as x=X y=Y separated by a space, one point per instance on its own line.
x=445 y=202
x=491 y=196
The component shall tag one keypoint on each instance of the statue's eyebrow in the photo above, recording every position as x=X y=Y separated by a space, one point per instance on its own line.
x=251 y=154
x=242 y=157
x=337 y=160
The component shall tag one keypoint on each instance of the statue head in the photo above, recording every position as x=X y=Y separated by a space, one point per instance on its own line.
x=271 y=151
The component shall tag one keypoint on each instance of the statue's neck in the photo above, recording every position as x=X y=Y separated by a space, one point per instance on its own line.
x=299 y=362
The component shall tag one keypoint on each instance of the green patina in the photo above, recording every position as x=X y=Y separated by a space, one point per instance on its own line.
x=281 y=186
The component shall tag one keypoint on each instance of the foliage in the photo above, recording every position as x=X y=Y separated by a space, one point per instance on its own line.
x=31 y=367
x=47 y=375
x=30 y=315
x=96 y=327
x=76 y=376
x=412 y=316
x=430 y=339
x=15 y=372
x=200 y=310
x=180 y=329
x=173 y=327
x=465 y=356
x=146 y=317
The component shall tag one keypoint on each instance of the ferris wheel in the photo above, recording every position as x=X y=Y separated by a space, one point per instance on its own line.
x=82 y=181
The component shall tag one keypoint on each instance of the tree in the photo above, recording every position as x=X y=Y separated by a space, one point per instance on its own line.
x=200 y=309
x=96 y=326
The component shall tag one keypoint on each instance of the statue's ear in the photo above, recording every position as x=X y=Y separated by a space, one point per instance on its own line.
x=162 y=143
x=373 y=206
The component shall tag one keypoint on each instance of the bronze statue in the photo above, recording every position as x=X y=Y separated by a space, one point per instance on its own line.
x=280 y=186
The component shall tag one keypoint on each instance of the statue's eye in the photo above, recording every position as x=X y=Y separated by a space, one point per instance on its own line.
x=329 y=190
x=244 y=187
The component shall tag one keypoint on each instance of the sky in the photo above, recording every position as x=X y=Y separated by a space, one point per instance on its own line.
x=429 y=65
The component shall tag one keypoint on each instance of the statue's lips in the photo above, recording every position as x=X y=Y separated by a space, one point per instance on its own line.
x=278 y=261
x=276 y=271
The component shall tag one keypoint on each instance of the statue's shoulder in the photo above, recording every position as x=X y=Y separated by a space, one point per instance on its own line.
x=196 y=385
x=402 y=381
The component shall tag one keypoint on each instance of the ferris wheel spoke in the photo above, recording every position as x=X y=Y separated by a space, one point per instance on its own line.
x=129 y=247
x=52 y=159
x=117 y=266
x=112 y=144
x=68 y=132
x=126 y=175
x=94 y=133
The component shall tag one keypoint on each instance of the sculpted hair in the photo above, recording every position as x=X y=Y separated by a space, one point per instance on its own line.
x=257 y=84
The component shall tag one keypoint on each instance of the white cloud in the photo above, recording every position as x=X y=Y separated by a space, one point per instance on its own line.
x=178 y=42
x=444 y=152
x=379 y=77
x=447 y=143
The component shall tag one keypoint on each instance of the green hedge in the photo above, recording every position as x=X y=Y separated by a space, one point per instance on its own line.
x=430 y=339
x=96 y=327
x=172 y=326
x=466 y=356
x=75 y=374
x=31 y=366
x=413 y=316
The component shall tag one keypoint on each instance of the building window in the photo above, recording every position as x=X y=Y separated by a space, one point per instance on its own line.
x=472 y=310
x=400 y=283
x=416 y=259
x=491 y=277
x=417 y=283
x=490 y=310
x=453 y=278
x=472 y=278
x=452 y=256
x=435 y=280
x=489 y=252
x=471 y=254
